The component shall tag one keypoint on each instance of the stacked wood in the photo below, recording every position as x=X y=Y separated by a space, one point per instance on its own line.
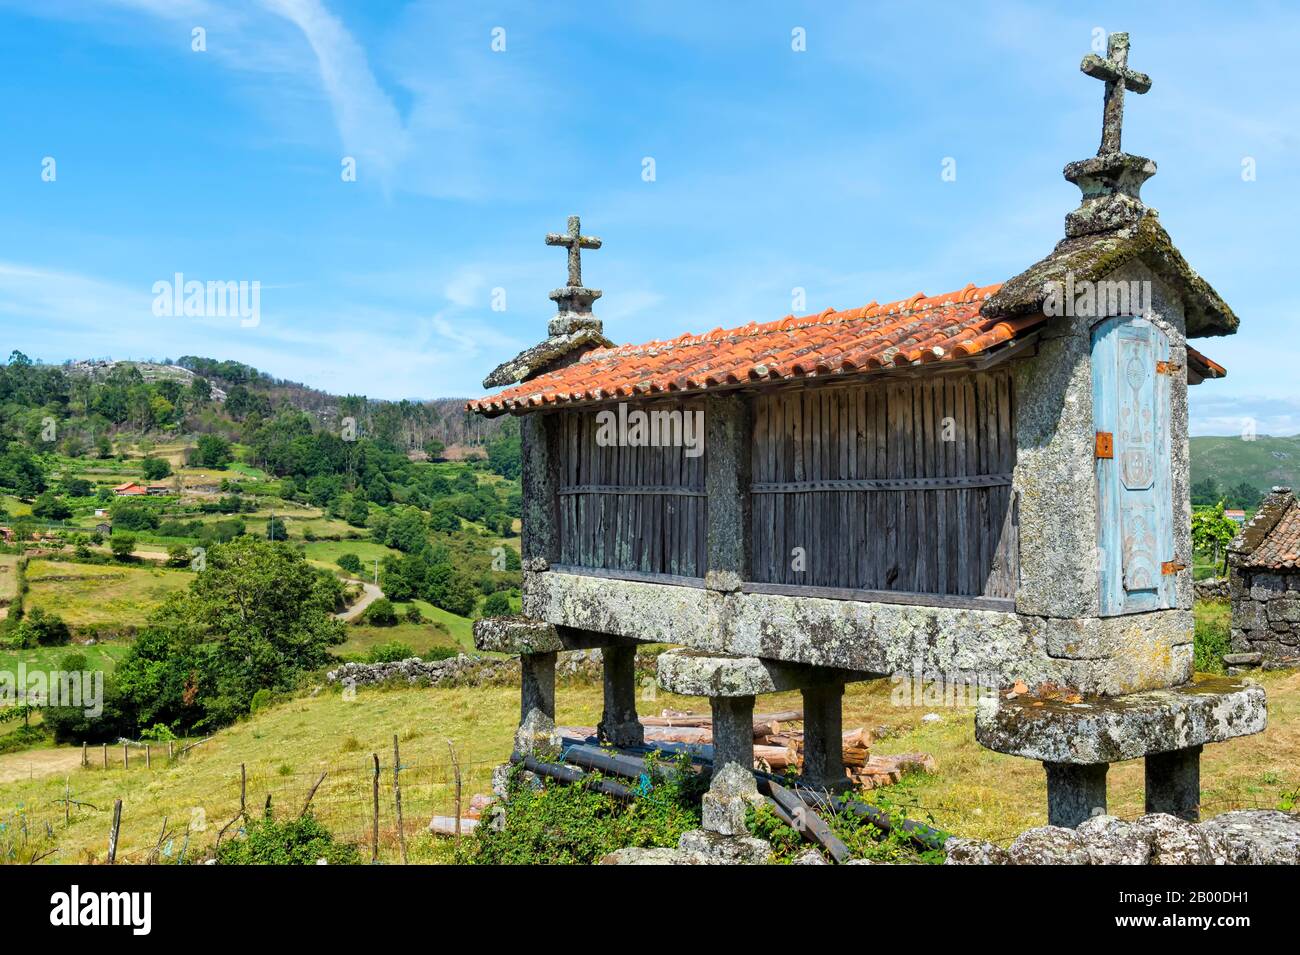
x=779 y=747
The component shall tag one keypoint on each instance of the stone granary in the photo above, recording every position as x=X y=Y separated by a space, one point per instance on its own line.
x=1264 y=584
x=987 y=485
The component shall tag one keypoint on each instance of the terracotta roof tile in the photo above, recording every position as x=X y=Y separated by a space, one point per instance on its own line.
x=1280 y=549
x=917 y=330
x=912 y=331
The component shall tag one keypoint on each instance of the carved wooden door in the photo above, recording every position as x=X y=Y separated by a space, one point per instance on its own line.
x=1130 y=359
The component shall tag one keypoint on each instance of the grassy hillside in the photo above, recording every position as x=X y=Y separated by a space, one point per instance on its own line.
x=285 y=748
x=1262 y=463
x=110 y=596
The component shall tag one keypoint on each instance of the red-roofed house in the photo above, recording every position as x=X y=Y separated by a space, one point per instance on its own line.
x=130 y=489
x=1264 y=584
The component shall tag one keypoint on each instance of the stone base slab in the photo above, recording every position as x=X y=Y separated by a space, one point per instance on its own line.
x=1109 y=729
x=516 y=635
x=697 y=673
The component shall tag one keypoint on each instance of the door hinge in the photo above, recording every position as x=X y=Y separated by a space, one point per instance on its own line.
x=1165 y=367
x=1105 y=445
x=1171 y=567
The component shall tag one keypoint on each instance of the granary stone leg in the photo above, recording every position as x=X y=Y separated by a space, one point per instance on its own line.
x=619 y=724
x=1075 y=792
x=732 y=788
x=536 y=702
x=1174 y=783
x=823 y=729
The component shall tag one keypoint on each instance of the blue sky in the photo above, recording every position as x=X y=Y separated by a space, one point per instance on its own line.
x=774 y=169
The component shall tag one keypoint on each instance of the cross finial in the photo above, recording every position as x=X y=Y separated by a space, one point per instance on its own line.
x=575 y=242
x=1118 y=77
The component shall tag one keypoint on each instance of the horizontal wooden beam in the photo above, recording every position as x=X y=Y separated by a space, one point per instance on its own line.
x=672 y=580
x=955 y=482
x=656 y=489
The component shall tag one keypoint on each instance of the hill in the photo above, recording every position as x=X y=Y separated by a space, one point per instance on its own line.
x=1231 y=462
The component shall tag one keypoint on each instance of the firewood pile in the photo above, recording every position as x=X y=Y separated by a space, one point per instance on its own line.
x=778 y=745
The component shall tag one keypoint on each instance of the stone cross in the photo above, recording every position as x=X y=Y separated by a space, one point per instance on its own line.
x=575 y=242
x=1118 y=77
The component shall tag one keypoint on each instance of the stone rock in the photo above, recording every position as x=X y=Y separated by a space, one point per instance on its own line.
x=1254 y=837
x=1109 y=840
x=634 y=855
x=809 y=857
x=725 y=850
x=1048 y=845
x=1064 y=729
x=974 y=852
x=1175 y=841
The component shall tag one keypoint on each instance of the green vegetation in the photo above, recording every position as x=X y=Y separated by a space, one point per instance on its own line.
x=1213 y=636
x=300 y=841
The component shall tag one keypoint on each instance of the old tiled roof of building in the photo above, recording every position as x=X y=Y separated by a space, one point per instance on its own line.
x=916 y=331
x=1279 y=548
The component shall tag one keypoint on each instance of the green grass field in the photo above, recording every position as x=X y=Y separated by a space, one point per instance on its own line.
x=109 y=596
x=100 y=656
x=420 y=637
x=327 y=553
x=8 y=578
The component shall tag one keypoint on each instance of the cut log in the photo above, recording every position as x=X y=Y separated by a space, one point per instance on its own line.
x=775 y=758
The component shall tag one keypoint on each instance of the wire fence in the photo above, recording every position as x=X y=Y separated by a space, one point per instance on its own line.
x=390 y=817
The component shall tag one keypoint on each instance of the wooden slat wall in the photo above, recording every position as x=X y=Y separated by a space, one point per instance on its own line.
x=637 y=509
x=901 y=526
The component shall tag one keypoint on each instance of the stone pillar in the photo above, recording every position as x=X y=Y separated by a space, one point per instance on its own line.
x=732 y=788
x=1075 y=792
x=823 y=737
x=619 y=724
x=727 y=452
x=536 y=703
x=1174 y=783
x=540 y=482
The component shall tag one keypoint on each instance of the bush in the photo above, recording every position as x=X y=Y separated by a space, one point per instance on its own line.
x=38 y=628
x=381 y=613
x=389 y=652
x=440 y=653
x=349 y=562
x=74 y=662
x=497 y=604
x=300 y=841
x=1212 y=637
x=261 y=699
x=414 y=615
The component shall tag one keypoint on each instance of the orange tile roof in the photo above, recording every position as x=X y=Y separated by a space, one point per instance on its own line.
x=918 y=330
x=1280 y=549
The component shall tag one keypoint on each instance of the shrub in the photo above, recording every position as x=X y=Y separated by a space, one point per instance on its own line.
x=414 y=614
x=350 y=562
x=389 y=652
x=300 y=841
x=497 y=604
x=558 y=823
x=381 y=613
x=261 y=700
x=74 y=662
x=440 y=653
x=1212 y=637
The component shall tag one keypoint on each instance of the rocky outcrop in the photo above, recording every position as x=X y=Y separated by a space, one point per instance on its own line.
x=1245 y=837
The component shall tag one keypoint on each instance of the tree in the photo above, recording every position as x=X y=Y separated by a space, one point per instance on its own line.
x=1212 y=532
x=51 y=507
x=275 y=530
x=406 y=530
x=212 y=451
x=254 y=618
x=452 y=590
x=134 y=516
x=178 y=555
x=122 y=545
x=349 y=562
x=155 y=469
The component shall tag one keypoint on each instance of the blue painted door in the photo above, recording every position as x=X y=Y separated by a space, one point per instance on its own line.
x=1130 y=386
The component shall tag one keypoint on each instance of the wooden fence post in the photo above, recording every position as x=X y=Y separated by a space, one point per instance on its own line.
x=112 y=834
x=455 y=766
x=397 y=797
x=126 y=756
x=67 y=801
x=171 y=749
x=243 y=788
x=106 y=756
x=85 y=754
x=374 y=831
x=148 y=757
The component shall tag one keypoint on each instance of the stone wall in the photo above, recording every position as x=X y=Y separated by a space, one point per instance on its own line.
x=1266 y=616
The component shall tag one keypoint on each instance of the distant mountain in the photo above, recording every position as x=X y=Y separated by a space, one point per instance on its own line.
x=1262 y=463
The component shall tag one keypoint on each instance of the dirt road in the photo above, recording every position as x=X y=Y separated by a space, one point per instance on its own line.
x=370 y=595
